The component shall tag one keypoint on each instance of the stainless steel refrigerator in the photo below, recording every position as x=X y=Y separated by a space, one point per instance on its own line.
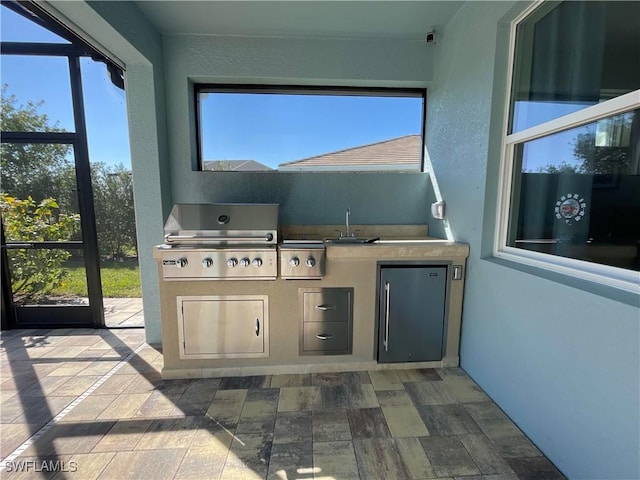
x=411 y=312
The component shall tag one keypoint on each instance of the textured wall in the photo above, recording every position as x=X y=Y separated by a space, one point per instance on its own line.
x=161 y=71
x=316 y=198
x=126 y=33
x=304 y=197
x=560 y=357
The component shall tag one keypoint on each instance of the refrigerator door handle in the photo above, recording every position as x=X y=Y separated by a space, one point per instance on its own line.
x=387 y=294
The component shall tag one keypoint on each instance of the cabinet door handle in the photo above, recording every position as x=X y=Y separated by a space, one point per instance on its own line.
x=257 y=327
x=325 y=336
x=324 y=307
x=387 y=294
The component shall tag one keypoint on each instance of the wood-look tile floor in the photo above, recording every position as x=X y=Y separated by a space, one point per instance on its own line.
x=130 y=424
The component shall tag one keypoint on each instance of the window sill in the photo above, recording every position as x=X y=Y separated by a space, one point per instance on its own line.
x=624 y=288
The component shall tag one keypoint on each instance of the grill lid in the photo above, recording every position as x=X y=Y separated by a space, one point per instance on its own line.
x=222 y=224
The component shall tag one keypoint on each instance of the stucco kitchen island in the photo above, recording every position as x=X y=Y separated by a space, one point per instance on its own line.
x=279 y=333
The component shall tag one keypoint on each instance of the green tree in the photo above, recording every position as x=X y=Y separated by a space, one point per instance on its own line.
x=31 y=169
x=35 y=273
x=564 y=167
x=600 y=159
x=43 y=171
x=113 y=203
x=602 y=150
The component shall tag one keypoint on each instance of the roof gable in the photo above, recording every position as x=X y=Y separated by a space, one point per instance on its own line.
x=394 y=153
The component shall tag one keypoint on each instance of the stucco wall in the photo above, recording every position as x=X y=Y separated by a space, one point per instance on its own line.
x=125 y=32
x=320 y=198
x=160 y=72
x=561 y=360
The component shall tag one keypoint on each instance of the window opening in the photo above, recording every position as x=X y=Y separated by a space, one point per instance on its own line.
x=289 y=129
x=571 y=186
x=51 y=259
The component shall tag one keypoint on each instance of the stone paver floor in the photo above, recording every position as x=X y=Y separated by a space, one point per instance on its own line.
x=123 y=312
x=115 y=418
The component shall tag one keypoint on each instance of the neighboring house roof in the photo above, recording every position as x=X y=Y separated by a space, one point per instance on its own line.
x=234 y=165
x=403 y=153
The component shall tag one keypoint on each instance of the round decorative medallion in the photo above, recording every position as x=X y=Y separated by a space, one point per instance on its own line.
x=570 y=207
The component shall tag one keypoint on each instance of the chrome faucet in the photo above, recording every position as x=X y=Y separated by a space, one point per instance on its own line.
x=348 y=232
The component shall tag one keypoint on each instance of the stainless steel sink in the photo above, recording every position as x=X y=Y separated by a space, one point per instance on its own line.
x=352 y=240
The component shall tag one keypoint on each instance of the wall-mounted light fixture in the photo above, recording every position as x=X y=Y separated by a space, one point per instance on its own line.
x=438 y=210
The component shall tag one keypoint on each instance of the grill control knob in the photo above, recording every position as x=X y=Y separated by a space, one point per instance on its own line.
x=182 y=262
x=207 y=262
x=257 y=262
x=244 y=262
x=294 y=262
x=232 y=262
x=311 y=262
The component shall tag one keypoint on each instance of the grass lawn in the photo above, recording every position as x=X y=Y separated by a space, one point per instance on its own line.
x=119 y=279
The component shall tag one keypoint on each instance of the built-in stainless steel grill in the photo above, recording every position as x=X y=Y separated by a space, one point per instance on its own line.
x=221 y=224
x=221 y=242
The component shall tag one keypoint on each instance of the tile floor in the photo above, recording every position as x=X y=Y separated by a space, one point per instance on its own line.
x=123 y=312
x=117 y=419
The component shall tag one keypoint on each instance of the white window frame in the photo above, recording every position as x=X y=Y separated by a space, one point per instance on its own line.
x=624 y=279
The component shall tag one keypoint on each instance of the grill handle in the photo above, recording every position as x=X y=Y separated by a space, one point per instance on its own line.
x=199 y=239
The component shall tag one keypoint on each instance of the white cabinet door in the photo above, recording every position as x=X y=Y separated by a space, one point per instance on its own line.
x=229 y=326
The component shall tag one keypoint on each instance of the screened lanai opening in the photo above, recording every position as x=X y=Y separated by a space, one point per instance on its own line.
x=68 y=226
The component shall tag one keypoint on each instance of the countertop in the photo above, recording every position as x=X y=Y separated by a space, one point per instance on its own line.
x=395 y=241
x=394 y=247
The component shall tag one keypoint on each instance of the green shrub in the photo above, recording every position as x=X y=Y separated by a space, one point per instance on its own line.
x=36 y=272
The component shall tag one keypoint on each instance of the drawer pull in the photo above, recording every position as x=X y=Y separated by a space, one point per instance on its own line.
x=257 y=327
x=325 y=336
x=324 y=307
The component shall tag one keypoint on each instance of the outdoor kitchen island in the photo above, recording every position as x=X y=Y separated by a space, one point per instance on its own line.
x=276 y=324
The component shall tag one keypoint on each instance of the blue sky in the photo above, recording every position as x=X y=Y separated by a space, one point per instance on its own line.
x=552 y=150
x=274 y=129
x=269 y=129
x=47 y=79
x=266 y=130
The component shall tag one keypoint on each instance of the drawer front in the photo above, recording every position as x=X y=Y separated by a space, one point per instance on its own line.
x=328 y=305
x=322 y=337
